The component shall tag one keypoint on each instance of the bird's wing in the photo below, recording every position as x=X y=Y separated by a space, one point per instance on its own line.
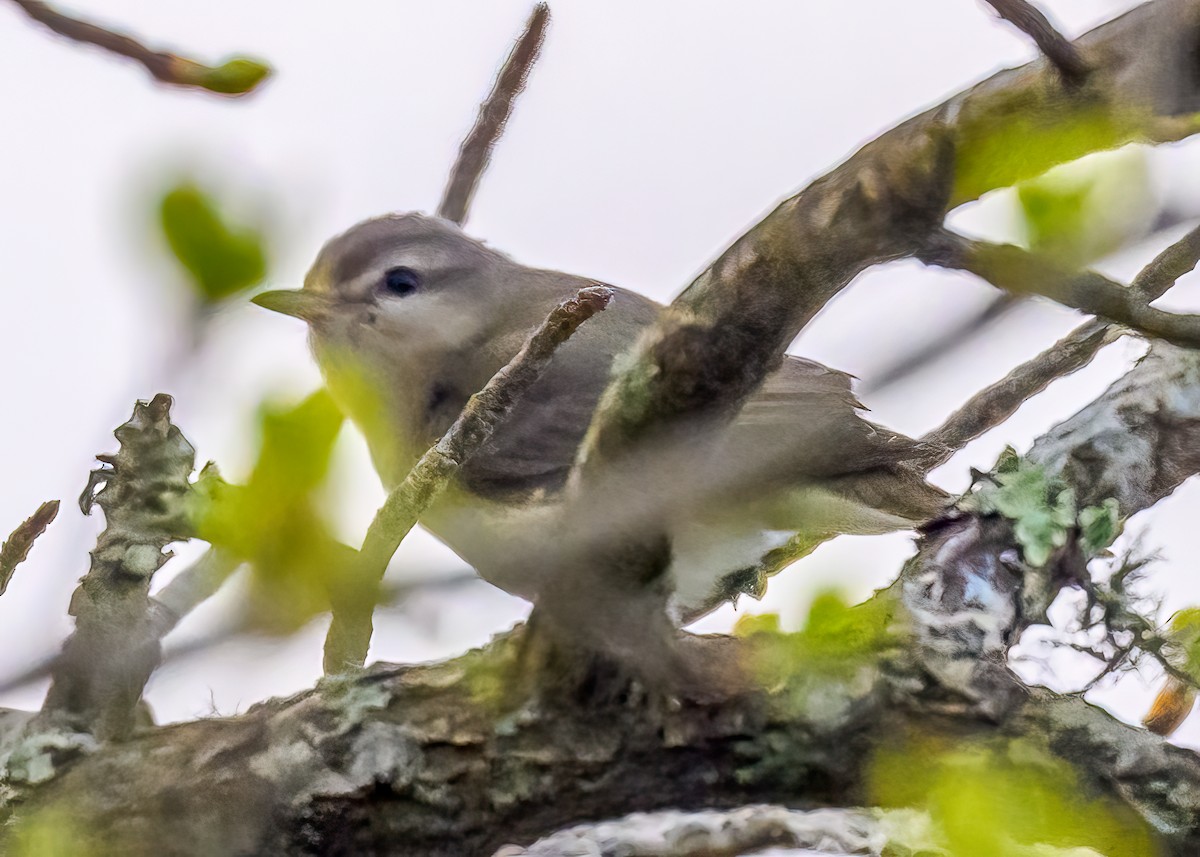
x=803 y=424
x=806 y=425
x=535 y=447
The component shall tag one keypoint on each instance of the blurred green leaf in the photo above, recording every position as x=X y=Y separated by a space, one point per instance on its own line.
x=1087 y=209
x=1015 y=134
x=274 y=521
x=837 y=639
x=51 y=833
x=1183 y=642
x=236 y=76
x=989 y=799
x=221 y=258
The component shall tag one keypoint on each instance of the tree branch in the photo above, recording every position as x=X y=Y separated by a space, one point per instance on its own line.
x=350 y=633
x=445 y=759
x=720 y=338
x=234 y=77
x=746 y=830
x=494 y=112
x=995 y=404
x=14 y=551
x=1058 y=49
x=99 y=676
x=1019 y=271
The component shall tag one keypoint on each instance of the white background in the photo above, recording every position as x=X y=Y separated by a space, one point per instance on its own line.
x=650 y=136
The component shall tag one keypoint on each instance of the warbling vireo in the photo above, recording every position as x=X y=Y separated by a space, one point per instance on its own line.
x=408 y=316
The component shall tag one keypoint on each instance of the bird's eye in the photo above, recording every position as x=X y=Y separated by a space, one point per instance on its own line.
x=401 y=281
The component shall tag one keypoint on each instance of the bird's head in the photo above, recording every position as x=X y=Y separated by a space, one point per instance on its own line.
x=393 y=288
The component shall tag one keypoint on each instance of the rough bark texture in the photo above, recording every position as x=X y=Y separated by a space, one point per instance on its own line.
x=445 y=760
x=461 y=758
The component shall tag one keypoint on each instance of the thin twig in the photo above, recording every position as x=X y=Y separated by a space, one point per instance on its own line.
x=14 y=551
x=942 y=343
x=494 y=112
x=996 y=403
x=1063 y=55
x=1020 y=271
x=236 y=76
x=350 y=632
x=189 y=589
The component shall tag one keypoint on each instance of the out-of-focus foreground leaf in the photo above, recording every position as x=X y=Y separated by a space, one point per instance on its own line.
x=221 y=258
x=840 y=644
x=275 y=522
x=1085 y=210
x=991 y=799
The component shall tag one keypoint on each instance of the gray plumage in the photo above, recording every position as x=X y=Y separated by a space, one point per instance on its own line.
x=403 y=366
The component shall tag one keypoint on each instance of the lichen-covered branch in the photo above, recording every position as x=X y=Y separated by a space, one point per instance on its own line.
x=144 y=492
x=452 y=759
x=494 y=112
x=350 y=633
x=15 y=550
x=746 y=830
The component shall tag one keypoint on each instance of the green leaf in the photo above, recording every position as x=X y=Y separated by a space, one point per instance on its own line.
x=222 y=259
x=1183 y=642
x=836 y=641
x=1084 y=210
x=275 y=521
x=994 y=799
x=236 y=76
x=1015 y=134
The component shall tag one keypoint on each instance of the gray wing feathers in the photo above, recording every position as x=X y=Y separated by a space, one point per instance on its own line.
x=803 y=424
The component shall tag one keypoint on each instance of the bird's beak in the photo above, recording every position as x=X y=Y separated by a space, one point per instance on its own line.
x=309 y=306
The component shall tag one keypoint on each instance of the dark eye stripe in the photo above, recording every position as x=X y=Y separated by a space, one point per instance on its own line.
x=401 y=281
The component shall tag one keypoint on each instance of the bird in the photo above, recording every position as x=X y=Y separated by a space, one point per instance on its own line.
x=408 y=316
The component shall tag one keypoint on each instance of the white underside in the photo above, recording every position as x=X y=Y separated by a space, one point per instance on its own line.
x=705 y=549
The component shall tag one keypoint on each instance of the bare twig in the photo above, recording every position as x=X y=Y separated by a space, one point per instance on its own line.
x=350 y=633
x=1058 y=49
x=1019 y=271
x=494 y=112
x=943 y=342
x=14 y=551
x=995 y=404
x=189 y=589
x=236 y=76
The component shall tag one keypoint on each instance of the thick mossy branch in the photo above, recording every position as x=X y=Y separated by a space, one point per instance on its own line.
x=451 y=759
x=144 y=491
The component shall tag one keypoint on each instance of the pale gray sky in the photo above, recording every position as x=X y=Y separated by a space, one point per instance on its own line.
x=651 y=135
